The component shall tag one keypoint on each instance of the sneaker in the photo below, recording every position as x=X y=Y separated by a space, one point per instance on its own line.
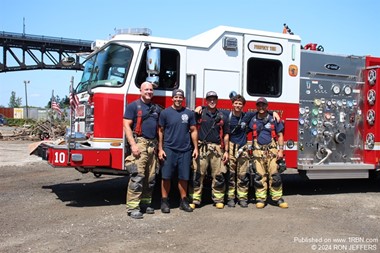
x=136 y=214
x=219 y=205
x=231 y=203
x=260 y=204
x=165 y=206
x=281 y=203
x=243 y=203
x=185 y=206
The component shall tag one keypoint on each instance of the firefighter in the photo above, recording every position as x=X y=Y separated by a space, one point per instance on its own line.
x=238 y=175
x=238 y=178
x=268 y=145
x=177 y=136
x=142 y=116
x=213 y=152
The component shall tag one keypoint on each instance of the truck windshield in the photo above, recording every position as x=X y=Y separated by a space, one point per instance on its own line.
x=107 y=67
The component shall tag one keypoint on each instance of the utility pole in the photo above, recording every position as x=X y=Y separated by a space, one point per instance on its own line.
x=26 y=99
x=23 y=26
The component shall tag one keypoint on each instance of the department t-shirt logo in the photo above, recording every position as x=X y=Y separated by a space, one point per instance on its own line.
x=154 y=115
x=185 y=118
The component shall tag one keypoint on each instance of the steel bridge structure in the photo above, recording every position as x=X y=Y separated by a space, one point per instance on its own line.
x=20 y=51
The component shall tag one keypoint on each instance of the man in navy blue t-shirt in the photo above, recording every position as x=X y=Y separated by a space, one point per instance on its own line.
x=178 y=143
x=268 y=146
x=140 y=127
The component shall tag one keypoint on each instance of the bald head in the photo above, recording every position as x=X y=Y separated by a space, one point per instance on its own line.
x=146 y=90
x=144 y=85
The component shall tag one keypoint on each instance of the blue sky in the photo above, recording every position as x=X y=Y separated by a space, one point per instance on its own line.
x=341 y=26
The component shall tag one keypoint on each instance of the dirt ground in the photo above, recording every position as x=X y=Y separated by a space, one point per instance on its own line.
x=45 y=209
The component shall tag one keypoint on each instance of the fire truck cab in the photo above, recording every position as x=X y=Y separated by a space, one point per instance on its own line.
x=328 y=102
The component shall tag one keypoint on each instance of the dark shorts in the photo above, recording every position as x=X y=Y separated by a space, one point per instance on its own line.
x=179 y=161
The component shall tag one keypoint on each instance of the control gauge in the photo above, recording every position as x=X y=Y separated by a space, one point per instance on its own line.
x=347 y=90
x=336 y=89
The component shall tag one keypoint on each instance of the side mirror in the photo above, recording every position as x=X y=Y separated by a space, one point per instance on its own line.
x=153 y=65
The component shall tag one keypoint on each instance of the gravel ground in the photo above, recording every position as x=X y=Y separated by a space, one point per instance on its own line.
x=44 y=209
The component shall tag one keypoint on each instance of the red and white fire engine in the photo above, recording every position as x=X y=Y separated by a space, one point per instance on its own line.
x=328 y=102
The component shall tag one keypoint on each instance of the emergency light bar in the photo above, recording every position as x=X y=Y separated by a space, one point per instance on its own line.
x=134 y=31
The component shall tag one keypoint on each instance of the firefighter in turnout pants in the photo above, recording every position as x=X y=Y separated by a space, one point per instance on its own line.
x=142 y=116
x=213 y=151
x=238 y=179
x=265 y=131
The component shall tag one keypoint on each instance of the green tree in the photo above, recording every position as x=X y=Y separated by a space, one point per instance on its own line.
x=14 y=101
x=65 y=101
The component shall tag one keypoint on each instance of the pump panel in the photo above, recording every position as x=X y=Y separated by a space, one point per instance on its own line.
x=330 y=113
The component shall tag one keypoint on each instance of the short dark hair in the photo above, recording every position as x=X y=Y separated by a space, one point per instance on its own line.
x=238 y=97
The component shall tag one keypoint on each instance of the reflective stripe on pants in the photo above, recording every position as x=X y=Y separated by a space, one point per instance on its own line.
x=141 y=184
x=210 y=155
x=266 y=166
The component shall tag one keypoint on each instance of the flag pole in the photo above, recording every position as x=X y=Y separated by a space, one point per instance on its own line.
x=72 y=112
x=72 y=122
x=52 y=112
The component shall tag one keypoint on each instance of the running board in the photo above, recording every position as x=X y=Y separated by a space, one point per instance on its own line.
x=336 y=170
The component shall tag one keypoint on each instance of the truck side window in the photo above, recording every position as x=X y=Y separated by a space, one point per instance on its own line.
x=264 y=77
x=169 y=71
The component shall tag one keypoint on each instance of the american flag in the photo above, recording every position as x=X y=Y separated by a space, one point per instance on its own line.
x=54 y=105
x=74 y=100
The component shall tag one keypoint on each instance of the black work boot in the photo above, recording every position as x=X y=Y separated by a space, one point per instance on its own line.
x=185 y=205
x=165 y=205
x=147 y=209
x=231 y=203
x=243 y=203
